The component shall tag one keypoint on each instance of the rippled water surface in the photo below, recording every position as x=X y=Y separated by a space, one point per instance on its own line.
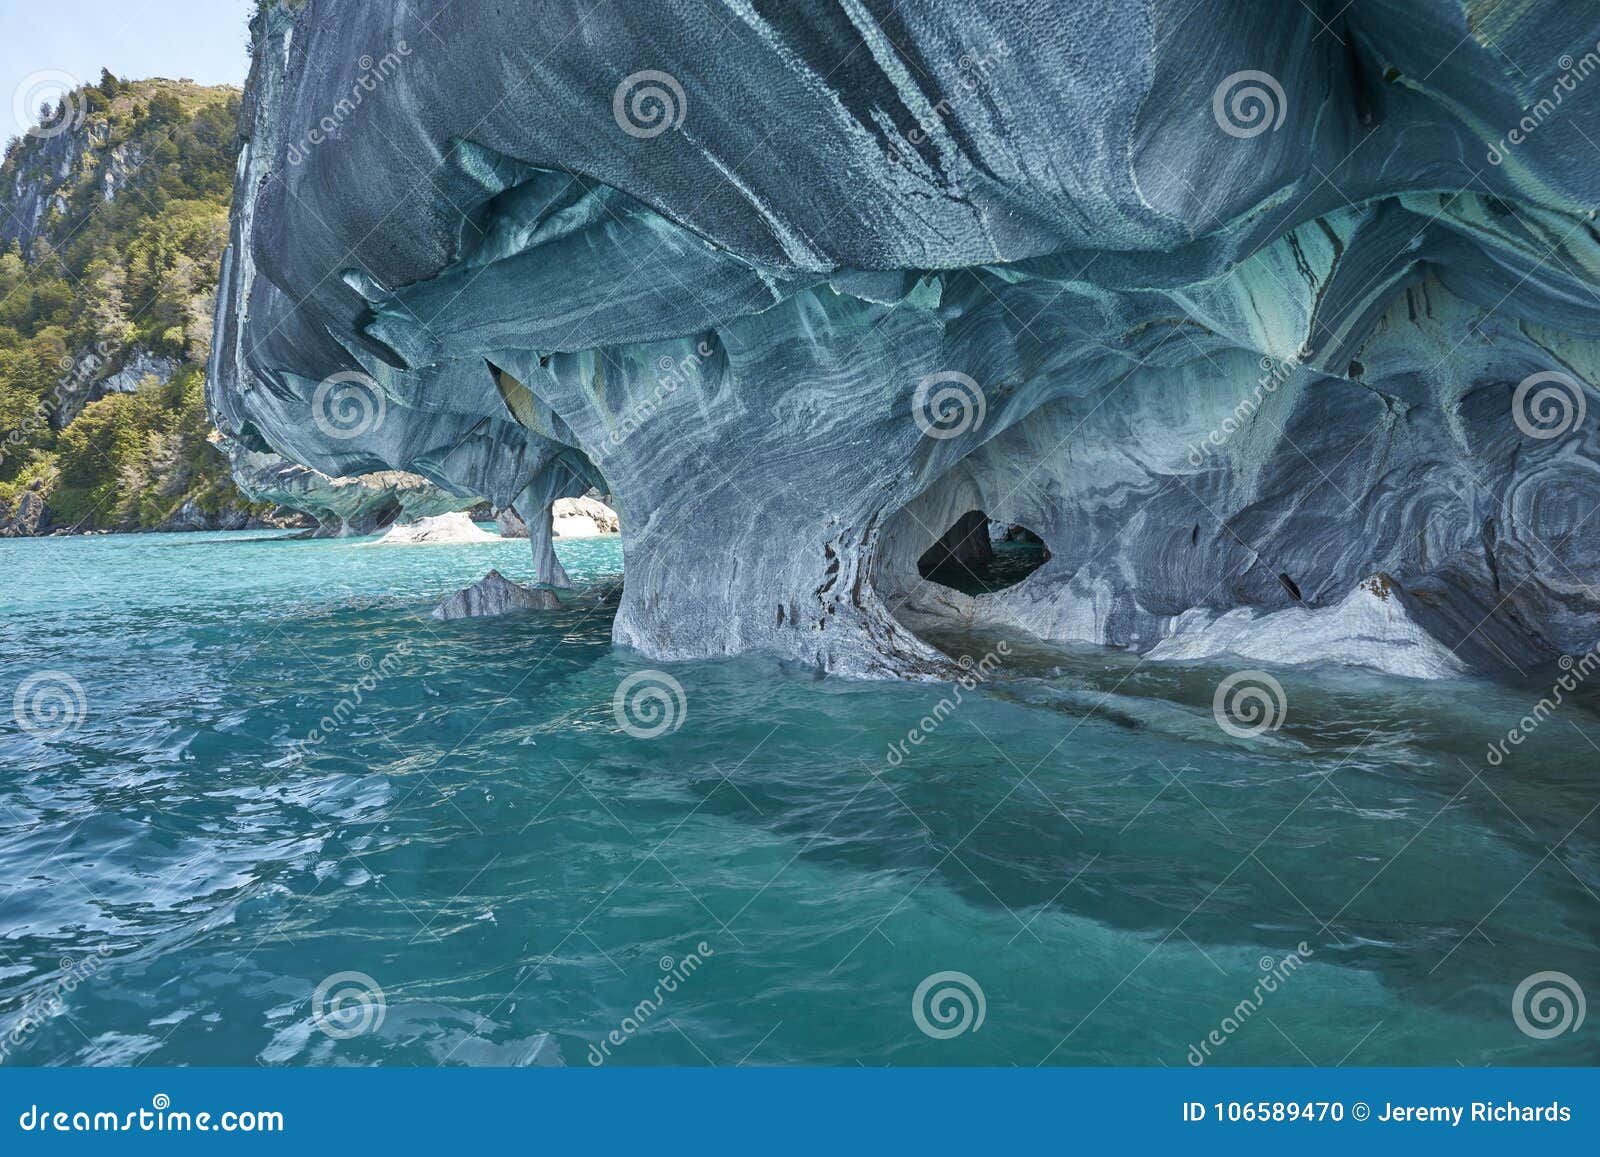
x=472 y=832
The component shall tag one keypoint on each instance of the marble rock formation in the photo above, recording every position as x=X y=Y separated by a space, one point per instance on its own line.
x=1236 y=314
x=494 y=594
x=343 y=507
x=510 y=524
x=583 y=518
x=441 y=530
x=569 y=518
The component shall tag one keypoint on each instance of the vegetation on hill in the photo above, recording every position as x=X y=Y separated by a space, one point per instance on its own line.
x=111 y=236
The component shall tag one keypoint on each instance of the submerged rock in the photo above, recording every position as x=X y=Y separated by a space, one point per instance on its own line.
x=441 y=530
x=494 y=594
x=1231 y=313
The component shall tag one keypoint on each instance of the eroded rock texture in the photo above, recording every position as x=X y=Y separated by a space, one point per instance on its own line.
x=493 y=595
x=359 y=505
x=1244 y=350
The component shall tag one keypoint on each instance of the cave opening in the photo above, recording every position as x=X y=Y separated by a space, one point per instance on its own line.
x=978 y=556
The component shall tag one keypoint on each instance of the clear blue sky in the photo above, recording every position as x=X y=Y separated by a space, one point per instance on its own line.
x=42 y=41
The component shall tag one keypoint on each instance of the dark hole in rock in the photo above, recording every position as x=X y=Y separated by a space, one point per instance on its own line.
x=978 y=557
x=1291 y=586
x=384 y=514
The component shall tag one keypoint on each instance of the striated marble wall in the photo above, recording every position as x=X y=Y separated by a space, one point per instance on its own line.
x=1279 y=323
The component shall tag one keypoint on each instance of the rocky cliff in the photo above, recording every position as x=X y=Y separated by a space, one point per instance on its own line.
x=1280 y=333
x=113 y=217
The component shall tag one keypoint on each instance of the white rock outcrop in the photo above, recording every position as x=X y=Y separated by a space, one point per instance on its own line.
x=582 y=518
x=441 y=530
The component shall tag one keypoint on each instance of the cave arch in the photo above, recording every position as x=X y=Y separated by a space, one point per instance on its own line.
x=978 y=556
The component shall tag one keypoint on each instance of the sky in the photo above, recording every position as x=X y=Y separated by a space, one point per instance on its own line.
x=47 y=46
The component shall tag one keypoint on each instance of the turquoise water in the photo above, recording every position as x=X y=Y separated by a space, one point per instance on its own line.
x=480 y=839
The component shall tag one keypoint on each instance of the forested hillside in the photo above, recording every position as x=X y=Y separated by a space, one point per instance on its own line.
x=113 y=218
